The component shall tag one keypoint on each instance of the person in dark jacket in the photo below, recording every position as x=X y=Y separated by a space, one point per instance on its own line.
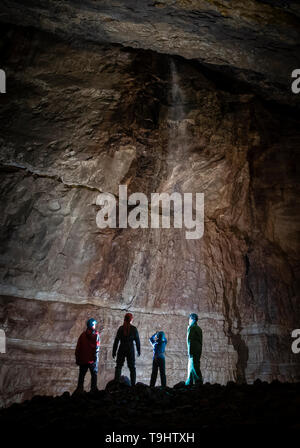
x=87 y=355
x=158 y=342
x=126 y=335
x=194 y=344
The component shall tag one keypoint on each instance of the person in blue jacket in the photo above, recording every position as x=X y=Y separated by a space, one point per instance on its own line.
x=158 y=342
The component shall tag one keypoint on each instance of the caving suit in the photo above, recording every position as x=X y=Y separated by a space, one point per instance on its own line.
x=159 y=345
x=126 y=350
x=87 y=356
x=194 y=344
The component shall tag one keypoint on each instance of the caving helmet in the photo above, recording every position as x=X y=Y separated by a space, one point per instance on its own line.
x=91 y=322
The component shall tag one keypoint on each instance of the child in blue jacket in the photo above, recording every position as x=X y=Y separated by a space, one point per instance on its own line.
x=158 y=342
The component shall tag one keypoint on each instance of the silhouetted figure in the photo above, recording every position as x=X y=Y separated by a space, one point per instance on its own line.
x=87 y=354
x=159 y=342
x=194 y=343
x=126 y=335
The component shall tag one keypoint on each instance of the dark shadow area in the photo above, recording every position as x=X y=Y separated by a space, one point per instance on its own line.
x=208 y=411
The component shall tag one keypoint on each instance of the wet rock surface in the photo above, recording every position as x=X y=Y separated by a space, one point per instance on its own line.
x=208 y=410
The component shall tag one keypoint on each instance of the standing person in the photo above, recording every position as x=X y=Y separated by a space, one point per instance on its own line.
x=87 y=355
x=126 y=335
x=194 y=344
x=159 y=342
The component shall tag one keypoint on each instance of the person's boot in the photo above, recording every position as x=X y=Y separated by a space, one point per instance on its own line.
x=152 y=381
x=132 y=377
x=94 y=387
x=78 y=391
x=117 y=374
x=94 y=390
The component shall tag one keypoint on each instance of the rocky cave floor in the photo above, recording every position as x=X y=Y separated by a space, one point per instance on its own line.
x=207 y=410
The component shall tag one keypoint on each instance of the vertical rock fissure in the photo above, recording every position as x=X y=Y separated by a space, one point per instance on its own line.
x=238 y=343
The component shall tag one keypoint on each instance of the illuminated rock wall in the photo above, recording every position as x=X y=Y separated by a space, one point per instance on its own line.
x=82 y=118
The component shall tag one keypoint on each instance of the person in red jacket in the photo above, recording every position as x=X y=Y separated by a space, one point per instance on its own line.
x=87 y=354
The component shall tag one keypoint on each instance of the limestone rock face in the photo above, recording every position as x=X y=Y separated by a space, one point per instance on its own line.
x=82 y=118
x=256 y=40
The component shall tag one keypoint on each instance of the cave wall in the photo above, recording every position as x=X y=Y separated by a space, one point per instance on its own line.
x=81 y=118
x=257 y=40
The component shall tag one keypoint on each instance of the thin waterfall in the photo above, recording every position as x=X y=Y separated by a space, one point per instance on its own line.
x=177 y=95
x=177 y=130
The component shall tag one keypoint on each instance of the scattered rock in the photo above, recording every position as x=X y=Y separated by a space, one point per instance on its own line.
x=205 y=411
